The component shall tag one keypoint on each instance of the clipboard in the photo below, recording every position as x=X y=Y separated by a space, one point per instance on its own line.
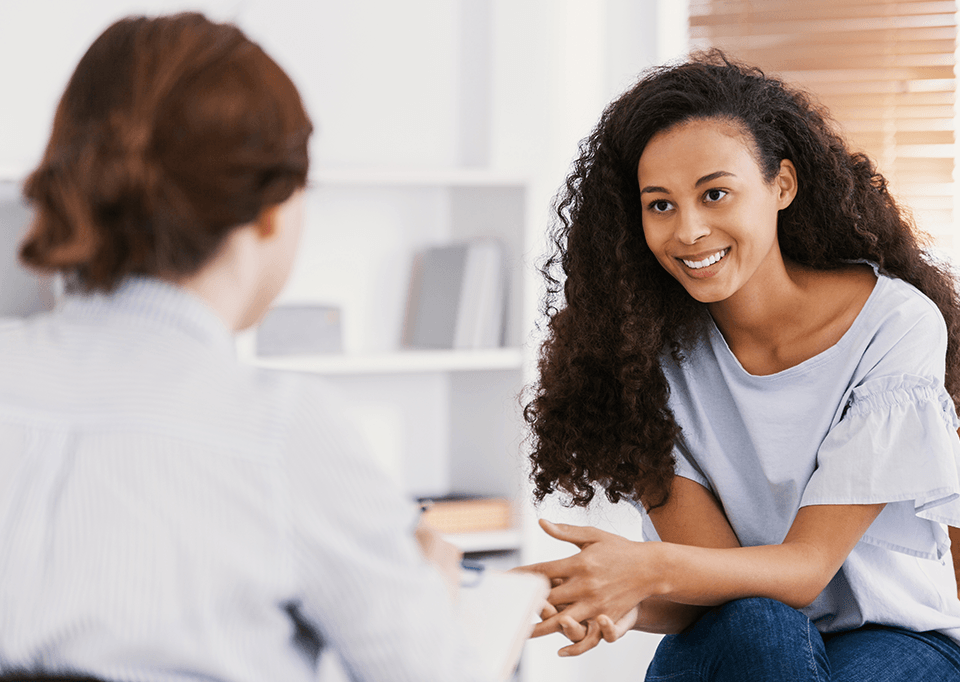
x=498 y=610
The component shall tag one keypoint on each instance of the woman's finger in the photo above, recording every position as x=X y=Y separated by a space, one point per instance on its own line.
x=577 y=535
x=577 y=613
x=571 y=629
x=590 y=640
x=608 y=629
x=570 y=592
x=573 y=614
x=548 y=611
x=546 y=627
x=556 y=571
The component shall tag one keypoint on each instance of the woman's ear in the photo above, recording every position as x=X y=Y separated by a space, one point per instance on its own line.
x=786 y=182
x=267 y=222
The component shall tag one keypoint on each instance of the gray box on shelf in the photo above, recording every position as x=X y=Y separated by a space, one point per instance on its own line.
x=22 y=292
x=300 y=330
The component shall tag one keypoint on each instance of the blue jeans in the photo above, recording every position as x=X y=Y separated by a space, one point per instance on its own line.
x=759 y=640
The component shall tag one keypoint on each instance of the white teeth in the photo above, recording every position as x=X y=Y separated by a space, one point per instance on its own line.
x=710 y=260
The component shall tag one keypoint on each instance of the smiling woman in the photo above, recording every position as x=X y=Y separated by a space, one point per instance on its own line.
x=700 y=222
x=747 y=341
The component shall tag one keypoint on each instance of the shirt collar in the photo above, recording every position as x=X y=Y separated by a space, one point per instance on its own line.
x=155 y=302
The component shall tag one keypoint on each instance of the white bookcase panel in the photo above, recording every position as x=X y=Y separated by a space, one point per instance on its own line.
x=441 y=421
x=362 y=232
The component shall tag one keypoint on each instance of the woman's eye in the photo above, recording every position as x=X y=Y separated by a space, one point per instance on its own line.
x=714 y=195
x=660 y=206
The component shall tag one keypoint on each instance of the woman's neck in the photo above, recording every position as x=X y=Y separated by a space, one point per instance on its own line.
x=759 y=309
x=779 y=321
x=229 y=282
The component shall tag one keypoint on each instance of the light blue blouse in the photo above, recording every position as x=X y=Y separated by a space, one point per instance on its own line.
x=866 y=421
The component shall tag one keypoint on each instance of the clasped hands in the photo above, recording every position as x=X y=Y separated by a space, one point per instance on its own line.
x=596 y=593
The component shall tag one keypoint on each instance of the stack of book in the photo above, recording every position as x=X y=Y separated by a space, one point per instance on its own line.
x=457 y=297
x=467 y=514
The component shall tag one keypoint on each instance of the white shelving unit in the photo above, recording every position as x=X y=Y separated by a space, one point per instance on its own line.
x=442 y=421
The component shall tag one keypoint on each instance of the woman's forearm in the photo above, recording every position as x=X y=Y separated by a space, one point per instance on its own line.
x=697 y=576
x=663 y=617
x=793 y=572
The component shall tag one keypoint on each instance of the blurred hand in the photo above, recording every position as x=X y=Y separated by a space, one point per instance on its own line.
x=442 y=554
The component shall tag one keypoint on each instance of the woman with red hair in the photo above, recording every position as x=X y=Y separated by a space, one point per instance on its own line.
x=166 y=513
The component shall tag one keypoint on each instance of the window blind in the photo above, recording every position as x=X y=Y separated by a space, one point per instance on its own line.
x=884 y=69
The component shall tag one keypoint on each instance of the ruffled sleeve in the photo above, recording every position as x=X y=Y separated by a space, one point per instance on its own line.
x=896 y=444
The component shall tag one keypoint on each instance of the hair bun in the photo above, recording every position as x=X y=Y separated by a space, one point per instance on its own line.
x=135 y=137
x=125 y=171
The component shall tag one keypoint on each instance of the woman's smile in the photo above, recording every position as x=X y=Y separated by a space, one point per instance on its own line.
x=702 y=265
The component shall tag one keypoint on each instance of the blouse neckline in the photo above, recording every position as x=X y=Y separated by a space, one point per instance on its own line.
x=727 y=356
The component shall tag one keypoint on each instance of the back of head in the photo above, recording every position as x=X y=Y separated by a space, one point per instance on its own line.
x=171 y=132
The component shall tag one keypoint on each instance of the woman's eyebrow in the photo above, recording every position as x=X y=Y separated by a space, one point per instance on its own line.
x=704 y=179
x=660 y=190
x=713 y=176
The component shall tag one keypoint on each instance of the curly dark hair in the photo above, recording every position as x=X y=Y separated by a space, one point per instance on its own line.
x=598 y=415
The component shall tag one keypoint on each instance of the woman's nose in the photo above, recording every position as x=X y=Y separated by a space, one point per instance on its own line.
x=691 y=227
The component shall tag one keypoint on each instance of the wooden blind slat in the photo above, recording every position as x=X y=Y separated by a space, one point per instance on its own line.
x=830 y=18
x=929 y=189
x=898 y=100
x=914 y=126
x=893 y=36
x=828 y=57
x=811 y=75
x=742 y=8
x=825 y=90
x=914 y=117
x=897 y=47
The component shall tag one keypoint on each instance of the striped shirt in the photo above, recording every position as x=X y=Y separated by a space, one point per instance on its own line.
x=169 y=514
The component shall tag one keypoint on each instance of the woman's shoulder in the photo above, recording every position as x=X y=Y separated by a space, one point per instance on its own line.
x=884 y=304
x=902 y=333
x=899 y=307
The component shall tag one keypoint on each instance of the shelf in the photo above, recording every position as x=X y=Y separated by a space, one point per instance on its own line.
x=489 y=541
x=401 y=362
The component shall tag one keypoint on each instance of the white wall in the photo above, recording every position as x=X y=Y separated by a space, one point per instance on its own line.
x=379 y=78
x=405 y=84
x=511 y=85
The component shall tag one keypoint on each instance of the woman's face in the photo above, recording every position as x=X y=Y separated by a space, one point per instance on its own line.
x=709 y=216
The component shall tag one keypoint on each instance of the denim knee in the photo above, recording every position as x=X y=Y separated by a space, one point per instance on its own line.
x=746 y=639
x=759 y=627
